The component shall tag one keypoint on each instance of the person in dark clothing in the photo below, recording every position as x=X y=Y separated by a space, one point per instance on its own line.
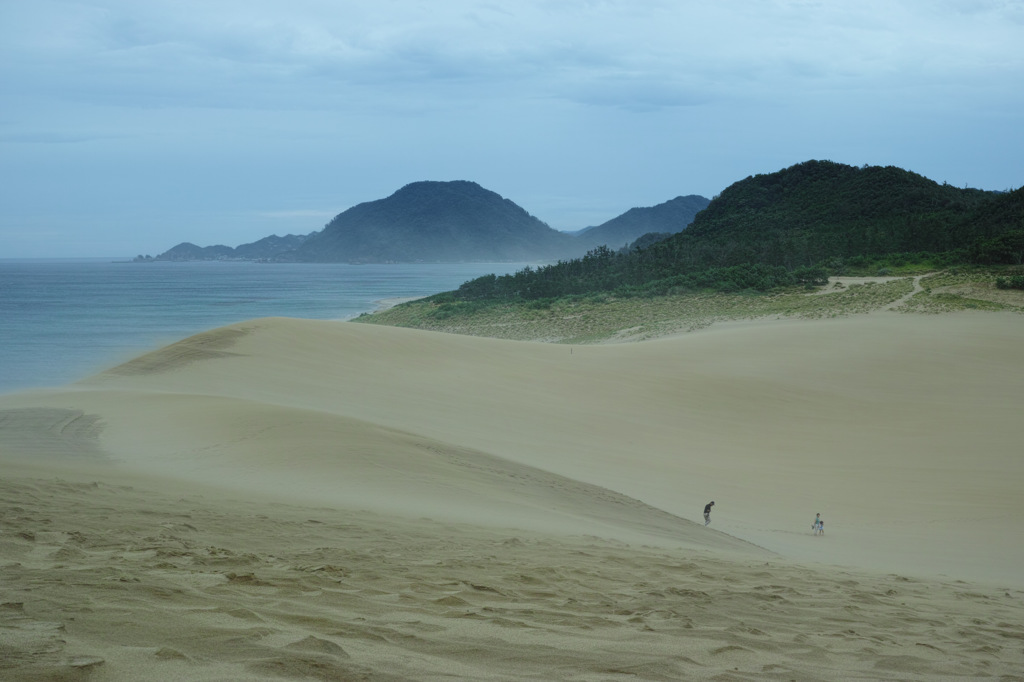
x=707 y=512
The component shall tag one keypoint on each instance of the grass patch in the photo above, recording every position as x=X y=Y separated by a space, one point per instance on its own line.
x=604 y=318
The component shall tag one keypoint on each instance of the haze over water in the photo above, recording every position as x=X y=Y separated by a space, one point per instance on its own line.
x=63 y=320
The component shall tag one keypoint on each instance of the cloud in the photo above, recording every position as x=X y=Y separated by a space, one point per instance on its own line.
x=136 y=112
x=634 y=94
x=642 y=55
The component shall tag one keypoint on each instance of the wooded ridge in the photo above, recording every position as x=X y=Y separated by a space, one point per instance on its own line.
x=794 y=226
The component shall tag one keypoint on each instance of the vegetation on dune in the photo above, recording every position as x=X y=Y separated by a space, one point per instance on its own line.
x=604 y=317
x=1011 y=282
x=755 y=251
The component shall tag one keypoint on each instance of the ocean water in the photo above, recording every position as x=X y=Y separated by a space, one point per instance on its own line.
x=61 y=321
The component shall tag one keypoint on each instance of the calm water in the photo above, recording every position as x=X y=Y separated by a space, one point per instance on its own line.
x=63 y=320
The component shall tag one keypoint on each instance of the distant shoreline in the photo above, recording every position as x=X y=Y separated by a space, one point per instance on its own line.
x=87 y=259
x=387 y=303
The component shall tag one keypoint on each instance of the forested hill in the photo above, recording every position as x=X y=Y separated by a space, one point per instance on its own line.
x=819 y=211
x=794 y=225
x=436 y=221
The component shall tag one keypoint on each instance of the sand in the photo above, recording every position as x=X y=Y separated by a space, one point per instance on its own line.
x=328 y=500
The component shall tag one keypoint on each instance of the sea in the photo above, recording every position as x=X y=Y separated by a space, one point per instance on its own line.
x=64 y=320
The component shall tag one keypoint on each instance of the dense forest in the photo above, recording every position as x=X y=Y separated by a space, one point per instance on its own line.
x=795 y=226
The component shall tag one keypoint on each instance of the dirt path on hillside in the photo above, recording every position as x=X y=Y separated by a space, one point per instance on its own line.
x=900 y=301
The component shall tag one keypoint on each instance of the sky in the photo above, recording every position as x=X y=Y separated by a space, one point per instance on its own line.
x=129 y=126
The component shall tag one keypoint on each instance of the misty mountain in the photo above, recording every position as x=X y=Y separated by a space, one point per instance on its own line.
x=457 y=221
x=264 y=249
x=669 y=217
x=435 y=222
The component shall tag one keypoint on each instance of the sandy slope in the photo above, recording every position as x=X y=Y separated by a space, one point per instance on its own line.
x=903 y=431
x=562 y=487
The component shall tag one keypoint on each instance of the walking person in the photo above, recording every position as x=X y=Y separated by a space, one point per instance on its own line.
x=707 y=512
x=818 y=526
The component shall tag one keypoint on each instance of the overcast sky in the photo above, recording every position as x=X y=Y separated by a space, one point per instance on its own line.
x=128 y=126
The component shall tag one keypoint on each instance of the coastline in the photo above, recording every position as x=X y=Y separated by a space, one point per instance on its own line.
x=65 y=320
x=387 y=303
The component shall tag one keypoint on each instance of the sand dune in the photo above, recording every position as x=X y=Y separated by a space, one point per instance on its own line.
x=893 y=426
x=327 y=500
x=114 y=582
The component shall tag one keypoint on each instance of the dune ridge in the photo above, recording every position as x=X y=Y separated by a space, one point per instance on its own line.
x=327 y=500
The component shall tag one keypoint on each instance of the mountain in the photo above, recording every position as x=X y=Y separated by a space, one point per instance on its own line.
x=669 y=217
x=793 y=226
x=453 y=221
x=435 y=222
x=818 y=211
x=187 y=251
x=270 y=247
x=264 y=249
